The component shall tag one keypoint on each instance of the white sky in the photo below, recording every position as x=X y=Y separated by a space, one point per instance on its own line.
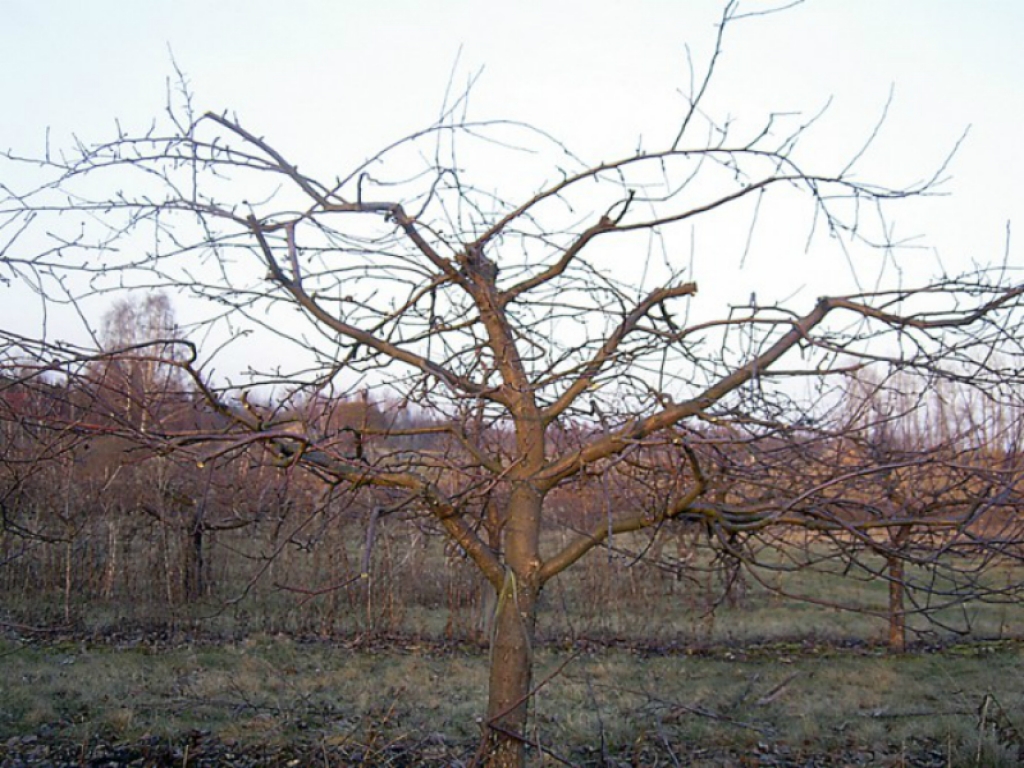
x=329 y=82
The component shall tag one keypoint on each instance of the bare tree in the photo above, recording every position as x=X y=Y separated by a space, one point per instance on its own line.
x=83 y=466
x=903 y=480
x=547 y=335
x=940 y=467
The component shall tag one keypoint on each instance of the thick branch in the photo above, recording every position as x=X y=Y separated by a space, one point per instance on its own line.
x=455 y=382
x=955 y=319
x=625 y=524
x=437 y=502
x=615 y=442
x=607 y=351
x=603 y=225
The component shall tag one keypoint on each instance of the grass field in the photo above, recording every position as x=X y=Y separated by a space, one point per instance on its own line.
x=636 y=665
x=597 y=706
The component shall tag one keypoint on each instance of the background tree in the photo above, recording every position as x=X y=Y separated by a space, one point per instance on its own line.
x=542 y=326
x=905 y=482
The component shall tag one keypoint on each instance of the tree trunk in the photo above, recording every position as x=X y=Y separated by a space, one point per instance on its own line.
x=511 y=675
x=512 y=640
x=194 y=565
x=897 y=612
x=113 y=550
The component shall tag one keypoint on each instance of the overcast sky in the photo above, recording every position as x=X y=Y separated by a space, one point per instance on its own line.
x=329 y=82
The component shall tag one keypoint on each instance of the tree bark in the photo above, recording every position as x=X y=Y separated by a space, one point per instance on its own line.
x=897 y=610
x=194 y=566
x=897 y=613
x=113 y=550
x=510 y=675
x=511 y=669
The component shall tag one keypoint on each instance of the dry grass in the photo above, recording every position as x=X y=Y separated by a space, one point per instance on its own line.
x=659 y=667
x=603 y=702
